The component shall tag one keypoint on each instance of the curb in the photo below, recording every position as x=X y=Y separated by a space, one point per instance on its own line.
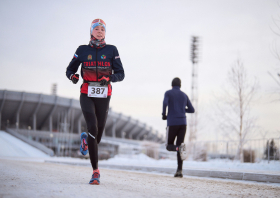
x=188 y=172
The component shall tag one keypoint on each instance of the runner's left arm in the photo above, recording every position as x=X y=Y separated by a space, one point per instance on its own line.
x=117 y=67
x=190 y=108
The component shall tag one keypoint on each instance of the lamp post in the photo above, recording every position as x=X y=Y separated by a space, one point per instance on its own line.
x=194 y=87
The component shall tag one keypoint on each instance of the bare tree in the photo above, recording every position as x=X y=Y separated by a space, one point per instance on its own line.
x=263 y=133
x=234 y=107
x=275 y=49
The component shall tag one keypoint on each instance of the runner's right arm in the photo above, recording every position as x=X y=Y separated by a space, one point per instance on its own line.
x=165 y=104
x=73 y=65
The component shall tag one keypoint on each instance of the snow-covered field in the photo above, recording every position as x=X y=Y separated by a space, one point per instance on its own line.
x=13 y=148
x=226 y=165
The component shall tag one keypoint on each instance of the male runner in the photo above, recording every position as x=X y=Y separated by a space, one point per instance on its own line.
x=176 y=101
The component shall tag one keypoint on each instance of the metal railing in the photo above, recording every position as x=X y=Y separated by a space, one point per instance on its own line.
x=68 y=144
x=255 y=149
x=64 y=144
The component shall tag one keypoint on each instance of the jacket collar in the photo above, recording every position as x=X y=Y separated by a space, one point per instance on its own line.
x=175 y=87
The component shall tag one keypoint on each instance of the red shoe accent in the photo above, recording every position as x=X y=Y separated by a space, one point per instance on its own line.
x=95 y=182
x=95 y=177
x=85 y=145
x=96 y=171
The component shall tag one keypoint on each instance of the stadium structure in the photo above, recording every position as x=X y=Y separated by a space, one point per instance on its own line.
x=54 y=125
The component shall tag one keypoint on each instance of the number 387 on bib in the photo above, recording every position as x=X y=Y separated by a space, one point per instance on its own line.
x=97 y=91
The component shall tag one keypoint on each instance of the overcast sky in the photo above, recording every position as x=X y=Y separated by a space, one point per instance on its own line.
x=38 y=40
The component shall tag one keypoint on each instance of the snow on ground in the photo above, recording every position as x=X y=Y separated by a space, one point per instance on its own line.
x=13 y=148
x=37 y=179
x=23 y=178
x=225 y=165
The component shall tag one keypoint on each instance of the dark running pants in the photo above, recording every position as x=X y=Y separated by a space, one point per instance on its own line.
x=172 y=132
x=95 y=112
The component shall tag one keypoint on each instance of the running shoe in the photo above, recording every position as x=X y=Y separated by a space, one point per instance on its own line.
x=95 y=179
x=84 y=144
x=183 y=151
x=178 y=174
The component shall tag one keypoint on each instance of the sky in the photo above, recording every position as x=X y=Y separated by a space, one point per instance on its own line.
x=38 y=40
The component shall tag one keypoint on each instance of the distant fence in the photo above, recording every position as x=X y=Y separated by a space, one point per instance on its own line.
x=68 y=144
x=257 y=149
x=56 y=143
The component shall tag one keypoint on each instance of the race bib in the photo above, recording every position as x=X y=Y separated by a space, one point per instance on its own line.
x=96 y=90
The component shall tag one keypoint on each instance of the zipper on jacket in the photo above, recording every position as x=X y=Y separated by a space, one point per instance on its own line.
x=96 y=66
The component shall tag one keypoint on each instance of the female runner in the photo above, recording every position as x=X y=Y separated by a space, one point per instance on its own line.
x=101 y=65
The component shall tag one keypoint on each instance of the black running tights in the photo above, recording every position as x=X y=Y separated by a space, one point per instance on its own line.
x=172 y=132
x=95 y=112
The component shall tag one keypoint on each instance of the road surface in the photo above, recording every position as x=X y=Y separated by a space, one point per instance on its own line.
x=38 y=179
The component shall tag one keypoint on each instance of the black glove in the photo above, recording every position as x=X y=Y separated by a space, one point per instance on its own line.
x=105 y=80
x=164 y=117
x=75 y=78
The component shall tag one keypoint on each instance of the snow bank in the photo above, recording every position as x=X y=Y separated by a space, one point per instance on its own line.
x=223 y=165
x=229 y=165
x=11 y=146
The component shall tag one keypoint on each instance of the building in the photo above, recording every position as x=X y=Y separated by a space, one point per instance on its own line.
x=57 y=122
